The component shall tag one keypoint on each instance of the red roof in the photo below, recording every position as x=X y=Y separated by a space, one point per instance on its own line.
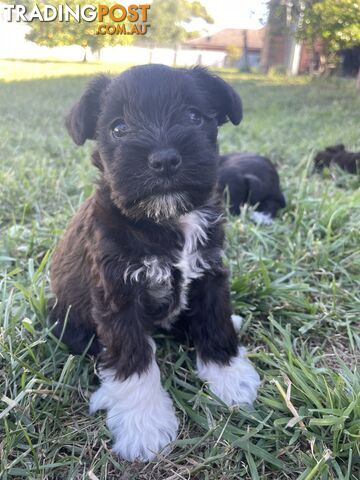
x=229 y=37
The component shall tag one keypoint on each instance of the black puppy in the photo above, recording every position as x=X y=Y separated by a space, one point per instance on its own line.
x=145 y=250
x=336 y=154
x=251 y=179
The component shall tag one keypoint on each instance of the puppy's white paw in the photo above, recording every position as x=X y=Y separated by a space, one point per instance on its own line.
x=140 y=435
x=261 y=218
x=140 y=414
x=234 y=384
x=237 y=322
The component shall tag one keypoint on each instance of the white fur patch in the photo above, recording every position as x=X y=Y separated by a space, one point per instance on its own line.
x=237 y=322
x=194 y=226
x=152 y=270
x=234 y=384
x=157 y=272
x=191 y=263
x=140 y=414
x=165 y=206
x=261 y=218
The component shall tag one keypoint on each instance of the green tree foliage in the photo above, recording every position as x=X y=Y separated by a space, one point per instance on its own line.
x=55 y=34
x=336 y=22
x=233 y=54
x=169 y=17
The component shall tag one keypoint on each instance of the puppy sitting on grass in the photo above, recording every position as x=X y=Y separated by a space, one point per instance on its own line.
x=145 y=250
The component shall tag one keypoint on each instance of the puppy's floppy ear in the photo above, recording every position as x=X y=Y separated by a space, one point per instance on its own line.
x=82 y=118
x=223 y=97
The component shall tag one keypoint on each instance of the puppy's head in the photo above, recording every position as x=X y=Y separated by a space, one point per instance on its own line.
x=322 y=160
x=156 y=130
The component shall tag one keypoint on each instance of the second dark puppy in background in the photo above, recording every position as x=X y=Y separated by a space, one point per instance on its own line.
x=337 y=155
x=252 y=179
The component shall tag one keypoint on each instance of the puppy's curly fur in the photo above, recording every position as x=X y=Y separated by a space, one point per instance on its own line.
x=144 y=251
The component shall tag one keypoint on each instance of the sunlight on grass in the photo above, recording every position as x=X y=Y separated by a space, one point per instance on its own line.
x=17 y=70
x=14 y=71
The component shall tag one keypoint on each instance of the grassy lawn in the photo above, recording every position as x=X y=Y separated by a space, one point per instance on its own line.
x=296 y=283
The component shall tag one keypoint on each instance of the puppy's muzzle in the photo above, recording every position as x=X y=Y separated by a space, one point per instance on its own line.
x=165 y=162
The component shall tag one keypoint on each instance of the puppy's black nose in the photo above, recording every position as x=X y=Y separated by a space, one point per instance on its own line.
x=165 y=161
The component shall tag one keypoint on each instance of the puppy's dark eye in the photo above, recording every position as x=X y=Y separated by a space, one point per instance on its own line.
x=195 y=116
x=118 y=128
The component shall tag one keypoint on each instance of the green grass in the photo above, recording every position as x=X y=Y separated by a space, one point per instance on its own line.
x=296 y=283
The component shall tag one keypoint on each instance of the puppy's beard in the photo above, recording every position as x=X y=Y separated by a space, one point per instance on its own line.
x=161 y=207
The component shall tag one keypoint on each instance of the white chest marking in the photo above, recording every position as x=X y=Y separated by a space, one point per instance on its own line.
x=157 y=272
x=191 y=263
x=151 y=269
x=195 y=227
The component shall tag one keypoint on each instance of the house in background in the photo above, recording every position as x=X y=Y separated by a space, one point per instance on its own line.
x=273 y=46
x=248 y=43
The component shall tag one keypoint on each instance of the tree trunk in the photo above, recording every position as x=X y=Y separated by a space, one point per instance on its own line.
x=358 y=80
x=246 y=57
x=97 y=54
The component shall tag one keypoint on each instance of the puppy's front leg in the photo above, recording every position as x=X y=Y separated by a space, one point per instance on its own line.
x=140 y=414
x=221 y=362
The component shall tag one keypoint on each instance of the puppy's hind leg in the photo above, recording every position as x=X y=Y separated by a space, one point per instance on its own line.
x=77 y=336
